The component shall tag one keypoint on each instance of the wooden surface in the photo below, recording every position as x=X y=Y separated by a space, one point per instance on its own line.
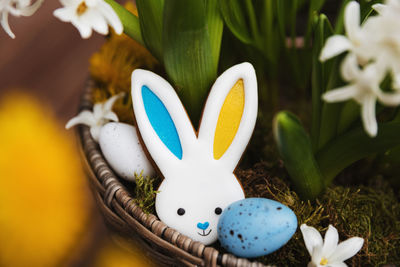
x=48 y=58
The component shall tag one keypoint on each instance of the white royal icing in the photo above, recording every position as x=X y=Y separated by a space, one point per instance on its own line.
x=196 y=182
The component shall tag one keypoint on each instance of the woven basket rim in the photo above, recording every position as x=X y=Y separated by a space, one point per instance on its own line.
x=118 y=207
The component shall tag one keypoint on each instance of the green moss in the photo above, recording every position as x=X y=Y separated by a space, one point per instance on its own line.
x=145 y=194
x=371 y=212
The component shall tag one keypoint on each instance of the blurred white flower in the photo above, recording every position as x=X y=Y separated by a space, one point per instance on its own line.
x=88 y=15
x=364 y=89
x=385 y=29
x=16 y=8
x=102 y=113
x=328 y=252
x=374 y=52
x=390 y=8
x=355 y=41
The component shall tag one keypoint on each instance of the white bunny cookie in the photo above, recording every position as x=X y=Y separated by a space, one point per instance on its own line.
x=197 y=169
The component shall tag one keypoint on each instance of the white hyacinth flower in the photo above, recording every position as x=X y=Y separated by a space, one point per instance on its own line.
x=364 y=89
x=354 y=42
x=328 y=252
x=386 y=38
x=390 y=8
x=16 y=8
x=89 y=15
x=102 y=113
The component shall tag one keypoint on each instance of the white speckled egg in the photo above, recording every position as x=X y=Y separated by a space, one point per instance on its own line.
x=254 y=227
x=121 y=148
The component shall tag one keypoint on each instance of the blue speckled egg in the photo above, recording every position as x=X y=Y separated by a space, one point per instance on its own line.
x=254 y=227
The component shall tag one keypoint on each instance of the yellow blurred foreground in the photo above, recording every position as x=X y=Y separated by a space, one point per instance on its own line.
x=45 y=207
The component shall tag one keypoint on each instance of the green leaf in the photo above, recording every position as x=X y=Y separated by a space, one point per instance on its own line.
x=349 y=114
x=292 y=19
x=215 y=26
x=234 y=16
x=319 y=72
x=129 y=21
x=270 y=34
x=251 y=14
x=339 y=27
x=330 y=112
x=295 y=148
x=314 y=8
x=355 y=145
x=281 y=18
x=151 y=19
x=188 y=57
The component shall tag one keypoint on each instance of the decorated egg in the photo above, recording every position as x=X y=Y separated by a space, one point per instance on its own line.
x=121 y=148
x=254 y=227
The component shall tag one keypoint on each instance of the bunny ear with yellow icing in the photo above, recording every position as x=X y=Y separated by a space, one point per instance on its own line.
x=230 y=114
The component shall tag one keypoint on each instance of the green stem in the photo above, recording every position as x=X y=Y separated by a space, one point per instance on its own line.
x=330 y=111
x=129 y=21
x=340 y=19
x=349 y=114
x=268 y=38
x=253 y=24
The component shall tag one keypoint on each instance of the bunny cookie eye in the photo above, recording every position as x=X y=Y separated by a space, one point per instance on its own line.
x=180 y=211
x=218 y=211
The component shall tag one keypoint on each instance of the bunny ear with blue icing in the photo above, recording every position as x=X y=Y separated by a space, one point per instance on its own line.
x=162 y=121
x=230 y=114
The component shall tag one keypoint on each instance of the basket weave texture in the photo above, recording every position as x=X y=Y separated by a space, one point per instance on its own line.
x=164 y=245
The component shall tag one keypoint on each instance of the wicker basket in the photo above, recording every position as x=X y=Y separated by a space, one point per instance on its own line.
x=162 y=244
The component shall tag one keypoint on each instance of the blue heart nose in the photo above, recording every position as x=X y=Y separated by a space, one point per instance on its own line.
x=203 y=226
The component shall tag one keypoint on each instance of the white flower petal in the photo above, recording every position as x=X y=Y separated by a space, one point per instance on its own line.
x=317 y=255
x=312 y=238
x=347 y=249
x=379 y=8
x=374 y=73
x=29 y=10
x=337 y=264
x=111 y=17
x=389 y=99
x=396 y=81
x=352 y=19
x=5 y=25
x=349 y=68
x=97 y=16
x=334 y=46
x=330 y=241
x=63 y=14
x=14 y=11
x=368 y=114
x=98 y=110
x=340 y=94
x=111 y=101
x=84 y=29
x=22 y=3
x=96 y=20
x=110 y=116
x=92 y=3
x=85 y=117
